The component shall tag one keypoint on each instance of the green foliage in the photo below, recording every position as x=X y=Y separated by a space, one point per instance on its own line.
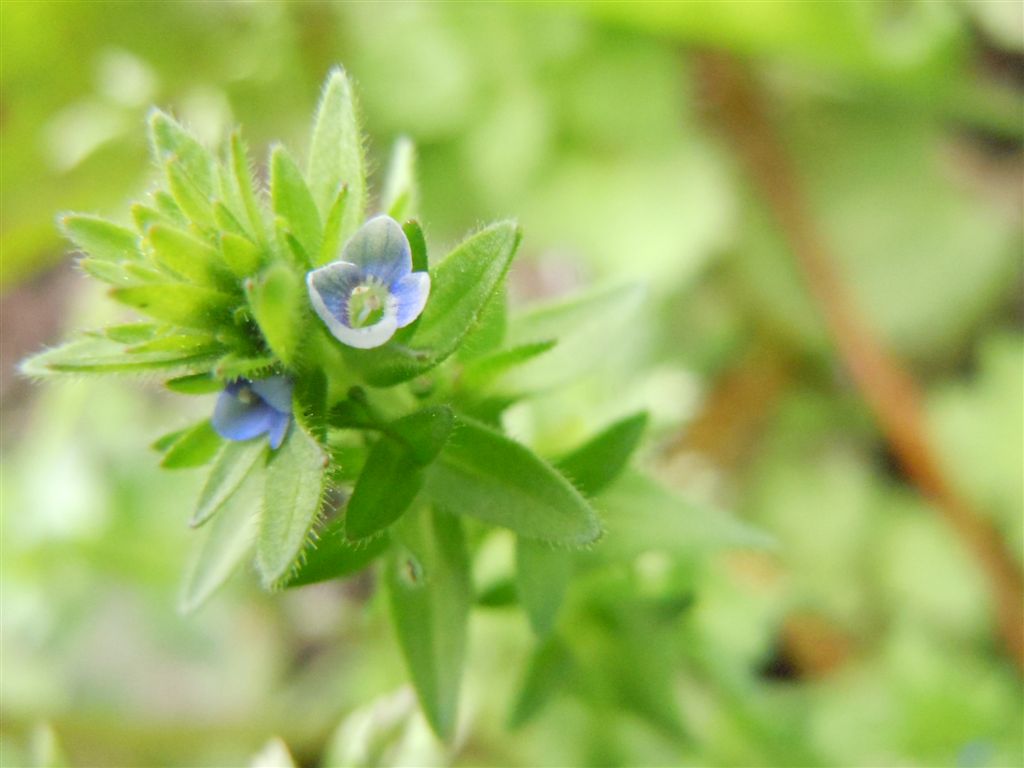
x=231 y=467
x=295 y=487
x=430 y=592
x=384 y=457
x=194 y=448
x=483 y=474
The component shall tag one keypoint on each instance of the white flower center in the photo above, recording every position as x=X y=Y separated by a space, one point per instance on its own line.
x=366 y=305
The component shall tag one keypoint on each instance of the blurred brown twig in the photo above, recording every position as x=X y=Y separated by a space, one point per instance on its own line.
x=886 y=386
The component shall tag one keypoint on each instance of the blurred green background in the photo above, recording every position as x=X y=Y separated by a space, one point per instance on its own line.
x=864 y=637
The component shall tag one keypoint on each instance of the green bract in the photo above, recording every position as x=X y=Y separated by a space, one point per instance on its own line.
x=393 y=454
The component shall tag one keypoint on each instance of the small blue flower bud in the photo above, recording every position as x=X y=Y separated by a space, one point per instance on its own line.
x=248 y=409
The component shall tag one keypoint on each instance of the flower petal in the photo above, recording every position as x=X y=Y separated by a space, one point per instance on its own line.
x=235 y=420
x=380 y=248
x=277 y=391
x=411 y=293
x=371 y=335
x=329 y=291
x=278 y=429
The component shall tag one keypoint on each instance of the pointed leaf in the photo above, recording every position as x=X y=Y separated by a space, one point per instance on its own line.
x=332 y=556
x=542 y=577
x=195 y=384
x=549 y=668
x=188 y=257
x=417 y=244
x=483 y=474
x=278 y=302
x=483 y=370
x=241 y=255
x=100 y=239
x=392 y=475
x=242 y=175
x=195 y=203
x=99 y=355
x=336 y=153
x=386 y=487
x=190 y=306
x=196 y=447
x=330 y=248
x=400 y=199
x=294 y=203
x=641 y=515
x=226 y=542
x=295 y=486
x=428 y=582
x=233 y=463
x=596 y=463
x=172 y=143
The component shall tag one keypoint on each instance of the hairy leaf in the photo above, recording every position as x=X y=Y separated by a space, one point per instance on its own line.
x=483 y=474
x=295 y=486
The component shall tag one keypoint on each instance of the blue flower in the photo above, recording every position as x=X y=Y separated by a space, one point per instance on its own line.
x=247 y=409
x=371 y=291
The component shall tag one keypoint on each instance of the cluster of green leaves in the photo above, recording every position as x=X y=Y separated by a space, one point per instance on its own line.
x=396 y=454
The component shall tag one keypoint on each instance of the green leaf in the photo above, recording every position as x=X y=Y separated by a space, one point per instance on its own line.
x=641 y=515
x=130 y=333
x=389 y=482
x=225 y=542
x=417 y=244
x=196 y=447
x=392 y=475
x=600 y=460
x=589 y=328
x=333 y=556
x=483 y=370
x=145 y=217
x=294 y=203
x=400 y=199
x=242 y=176
x=241 y=255
x=99 y=355
x=295 y=487
x=278 y=301
x=190 y=306
x=168 y=208
x=429 y=585
x=100 y=239
x=184 y=343
x=424 y=432
x=461 y=287
x=188 y=257
x=549 y=668
x=164 y=442
x=233 y=366
x=105 y=271
x=233 y=463
x=226 y=221
x=194 y=384
x=542 y=577
x=489 y=332
x=483 y=474
x=196 y=204
x=172 y=143
x=330 y=250
x=336 y=153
